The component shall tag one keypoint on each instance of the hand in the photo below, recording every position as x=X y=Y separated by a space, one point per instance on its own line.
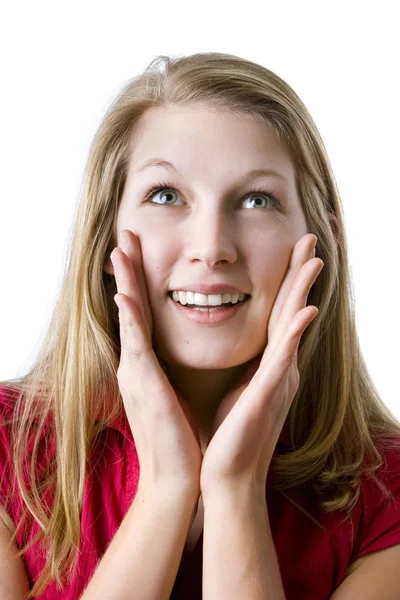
x=251 y=416
x=163 y=428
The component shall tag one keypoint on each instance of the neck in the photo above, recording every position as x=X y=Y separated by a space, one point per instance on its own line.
x=203 y=389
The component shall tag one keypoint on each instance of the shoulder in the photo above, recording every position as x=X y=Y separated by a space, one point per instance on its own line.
x=379 y=525
x=7 y=479
x=383 y=487
x=9 y=414
x=7 y=403
x=11 y=411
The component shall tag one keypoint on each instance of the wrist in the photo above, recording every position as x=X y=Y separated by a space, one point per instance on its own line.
x=168 y=491
x=240 y=494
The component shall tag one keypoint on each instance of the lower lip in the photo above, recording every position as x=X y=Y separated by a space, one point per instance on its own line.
x=209 y=318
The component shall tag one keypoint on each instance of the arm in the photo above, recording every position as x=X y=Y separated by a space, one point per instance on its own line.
x=143 y=558
x=239 y=558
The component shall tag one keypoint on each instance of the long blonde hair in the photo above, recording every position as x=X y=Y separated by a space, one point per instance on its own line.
x=339 y=426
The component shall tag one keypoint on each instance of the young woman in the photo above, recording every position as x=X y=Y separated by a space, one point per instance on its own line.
x=217 y=434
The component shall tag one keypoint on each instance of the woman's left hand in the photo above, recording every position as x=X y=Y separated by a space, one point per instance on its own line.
x=251 y=416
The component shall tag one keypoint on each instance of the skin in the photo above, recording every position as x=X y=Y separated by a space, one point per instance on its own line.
x=210 y=231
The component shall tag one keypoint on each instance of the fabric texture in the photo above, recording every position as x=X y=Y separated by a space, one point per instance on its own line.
x=312 y=561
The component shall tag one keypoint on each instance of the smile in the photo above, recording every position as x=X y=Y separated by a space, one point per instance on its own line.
x=210 y=315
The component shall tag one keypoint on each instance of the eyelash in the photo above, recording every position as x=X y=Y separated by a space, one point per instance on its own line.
x=160 y=187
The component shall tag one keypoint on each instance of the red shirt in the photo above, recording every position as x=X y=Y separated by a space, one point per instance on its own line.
x=312 y=562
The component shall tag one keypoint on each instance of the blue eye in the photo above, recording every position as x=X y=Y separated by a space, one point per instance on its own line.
x=161 y=187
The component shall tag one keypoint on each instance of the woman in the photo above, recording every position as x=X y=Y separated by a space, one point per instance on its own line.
x=259 y=437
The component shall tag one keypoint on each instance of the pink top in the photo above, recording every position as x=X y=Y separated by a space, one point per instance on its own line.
x=312 y=562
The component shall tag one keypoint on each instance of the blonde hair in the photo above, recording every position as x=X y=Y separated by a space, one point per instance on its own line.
x=339 y=426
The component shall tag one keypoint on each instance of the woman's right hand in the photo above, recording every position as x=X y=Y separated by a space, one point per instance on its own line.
x=161 y=421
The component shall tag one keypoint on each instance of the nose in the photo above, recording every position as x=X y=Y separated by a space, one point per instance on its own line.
x=210 y=238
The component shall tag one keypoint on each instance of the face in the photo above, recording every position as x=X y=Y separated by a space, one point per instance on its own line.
x=209 y=227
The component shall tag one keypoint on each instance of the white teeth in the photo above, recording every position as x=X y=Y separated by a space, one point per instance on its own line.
x=206 y=299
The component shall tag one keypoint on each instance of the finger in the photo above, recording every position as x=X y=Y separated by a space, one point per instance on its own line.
x=134 y=333
x=301 y=288
x=132 y=248
x=134 y=338
x=125 y=278
x=267 y=379
x=296 y=300
x=139 y=369
x=127 y=282
x=301 y=253
x=305 y=316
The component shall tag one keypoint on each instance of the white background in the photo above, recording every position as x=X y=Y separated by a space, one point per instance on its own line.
x=63 y=62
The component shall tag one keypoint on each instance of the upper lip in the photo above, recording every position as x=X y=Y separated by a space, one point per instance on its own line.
x=215 y=288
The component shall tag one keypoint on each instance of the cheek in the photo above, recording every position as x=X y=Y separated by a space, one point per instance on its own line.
x=269 y=268
x=269 y=263
x=157 y=261
x=271 y=274
x=158 y=250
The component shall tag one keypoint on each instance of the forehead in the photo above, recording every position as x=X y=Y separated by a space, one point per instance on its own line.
x=208 y=139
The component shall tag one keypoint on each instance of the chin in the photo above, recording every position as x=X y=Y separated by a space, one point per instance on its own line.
x=210 y=360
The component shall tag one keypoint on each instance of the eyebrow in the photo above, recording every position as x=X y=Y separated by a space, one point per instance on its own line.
x=159 y=162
